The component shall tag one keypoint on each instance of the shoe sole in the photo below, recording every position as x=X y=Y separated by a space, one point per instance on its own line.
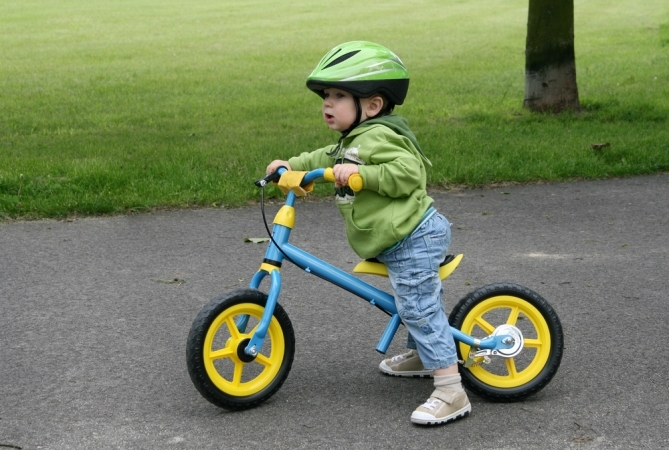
x=417 y=374
x=429 y=420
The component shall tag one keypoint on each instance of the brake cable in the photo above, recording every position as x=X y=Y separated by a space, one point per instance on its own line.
x=262 y=183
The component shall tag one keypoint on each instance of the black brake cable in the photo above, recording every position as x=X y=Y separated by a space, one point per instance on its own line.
x=264 y=219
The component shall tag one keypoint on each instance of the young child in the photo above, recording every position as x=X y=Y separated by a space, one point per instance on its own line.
x=392 y=217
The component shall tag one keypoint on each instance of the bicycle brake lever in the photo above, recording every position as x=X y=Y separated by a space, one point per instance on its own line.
x=274 y=176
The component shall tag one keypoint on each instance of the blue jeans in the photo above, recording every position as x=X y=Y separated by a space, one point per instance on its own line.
x=413 y=269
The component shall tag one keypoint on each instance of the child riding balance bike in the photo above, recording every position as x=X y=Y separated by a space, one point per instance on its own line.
x=379 y=175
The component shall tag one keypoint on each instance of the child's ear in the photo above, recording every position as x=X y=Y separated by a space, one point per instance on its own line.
x=375 y=105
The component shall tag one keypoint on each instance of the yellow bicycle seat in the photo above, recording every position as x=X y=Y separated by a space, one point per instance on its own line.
x=374 y=267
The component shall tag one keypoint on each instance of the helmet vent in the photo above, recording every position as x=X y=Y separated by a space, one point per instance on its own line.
x=342 y=58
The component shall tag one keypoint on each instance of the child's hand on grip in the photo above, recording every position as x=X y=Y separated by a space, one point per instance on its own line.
x=274 y=165
x=342 y=172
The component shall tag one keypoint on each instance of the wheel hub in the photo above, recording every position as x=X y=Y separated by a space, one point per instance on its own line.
x=514 y=339
x=241 y=351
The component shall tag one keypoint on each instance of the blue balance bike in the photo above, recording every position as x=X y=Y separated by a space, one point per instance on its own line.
x=241 y=345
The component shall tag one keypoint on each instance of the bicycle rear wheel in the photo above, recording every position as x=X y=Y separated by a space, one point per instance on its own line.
x=509 y=379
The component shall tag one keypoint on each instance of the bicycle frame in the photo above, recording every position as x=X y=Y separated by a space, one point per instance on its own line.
x=274 y=256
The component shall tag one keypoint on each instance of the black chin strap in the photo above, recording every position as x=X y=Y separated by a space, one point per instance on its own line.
x=358 y=112
x=356 y=122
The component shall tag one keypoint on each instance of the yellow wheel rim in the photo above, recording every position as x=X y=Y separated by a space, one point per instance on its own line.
x=224 y=368
x=505 y=309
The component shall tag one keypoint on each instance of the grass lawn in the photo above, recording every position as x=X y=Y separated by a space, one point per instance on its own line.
x=114 y=107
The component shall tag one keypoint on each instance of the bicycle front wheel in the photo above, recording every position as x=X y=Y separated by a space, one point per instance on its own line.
x=218 y=366
x=509 y=379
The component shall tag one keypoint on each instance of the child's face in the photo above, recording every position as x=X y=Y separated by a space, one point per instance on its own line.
x=339 y=109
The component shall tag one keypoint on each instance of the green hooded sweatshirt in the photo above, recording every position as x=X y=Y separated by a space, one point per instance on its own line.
x=394 y=199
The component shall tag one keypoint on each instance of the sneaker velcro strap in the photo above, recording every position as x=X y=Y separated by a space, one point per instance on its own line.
x=446 y=396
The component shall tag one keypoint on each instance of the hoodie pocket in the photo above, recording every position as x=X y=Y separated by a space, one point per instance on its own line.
x=364 y=241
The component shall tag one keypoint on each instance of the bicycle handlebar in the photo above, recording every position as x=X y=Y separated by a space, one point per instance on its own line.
x=355 y=181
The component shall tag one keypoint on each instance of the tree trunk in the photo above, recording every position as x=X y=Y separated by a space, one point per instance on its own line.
x=550 y=64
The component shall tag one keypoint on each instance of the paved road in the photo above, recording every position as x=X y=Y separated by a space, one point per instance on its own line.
x=92 y=336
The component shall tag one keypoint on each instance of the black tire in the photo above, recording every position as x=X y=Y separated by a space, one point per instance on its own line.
x=217 y=365
x=513 y=379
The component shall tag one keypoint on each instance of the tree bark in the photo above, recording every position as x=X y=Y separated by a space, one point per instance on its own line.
x=550 y=63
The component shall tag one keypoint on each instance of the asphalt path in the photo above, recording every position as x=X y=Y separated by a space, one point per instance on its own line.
x=95 y=313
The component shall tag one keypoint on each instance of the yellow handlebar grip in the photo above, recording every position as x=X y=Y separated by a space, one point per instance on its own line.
x=329 y=175
x=355 y=182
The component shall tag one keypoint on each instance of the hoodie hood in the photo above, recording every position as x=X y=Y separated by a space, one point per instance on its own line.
x=400 y=126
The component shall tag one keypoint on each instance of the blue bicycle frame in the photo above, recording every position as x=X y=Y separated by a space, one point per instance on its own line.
x=280 y=249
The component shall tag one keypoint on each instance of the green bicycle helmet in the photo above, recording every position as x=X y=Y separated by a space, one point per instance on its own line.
x=363 y=69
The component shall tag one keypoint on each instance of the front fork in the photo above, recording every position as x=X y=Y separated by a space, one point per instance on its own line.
x=283 y=224
x=254 y=345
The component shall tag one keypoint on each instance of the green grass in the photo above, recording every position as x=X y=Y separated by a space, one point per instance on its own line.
x=131 y=105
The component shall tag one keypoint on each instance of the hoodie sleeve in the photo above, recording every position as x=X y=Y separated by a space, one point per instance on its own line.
x=395 y=168
x=312 y=160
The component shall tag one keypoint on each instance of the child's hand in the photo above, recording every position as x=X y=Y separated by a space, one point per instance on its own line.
x=342 y=172
x=274 y=165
